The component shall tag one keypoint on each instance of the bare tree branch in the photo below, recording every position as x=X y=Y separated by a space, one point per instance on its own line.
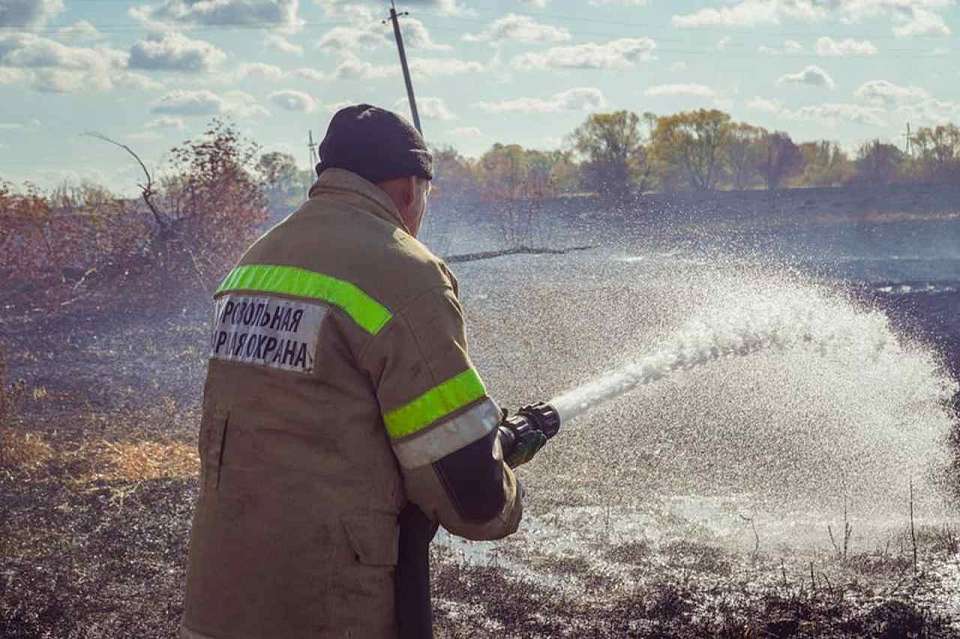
x=146 y=191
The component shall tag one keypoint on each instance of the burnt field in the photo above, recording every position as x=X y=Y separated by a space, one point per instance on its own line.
x=760 y=496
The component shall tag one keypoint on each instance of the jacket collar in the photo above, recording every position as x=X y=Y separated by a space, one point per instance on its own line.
x=375 y=200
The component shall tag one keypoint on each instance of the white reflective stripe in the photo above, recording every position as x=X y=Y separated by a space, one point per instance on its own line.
x=437 y=442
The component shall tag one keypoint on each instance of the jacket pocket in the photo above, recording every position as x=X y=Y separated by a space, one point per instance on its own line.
x=373 y=537
x=213 y=439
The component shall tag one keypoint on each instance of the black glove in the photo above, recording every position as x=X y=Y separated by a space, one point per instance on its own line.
x=520 y=439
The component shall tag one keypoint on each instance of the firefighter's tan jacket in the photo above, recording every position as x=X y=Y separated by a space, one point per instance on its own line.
x=339 y=387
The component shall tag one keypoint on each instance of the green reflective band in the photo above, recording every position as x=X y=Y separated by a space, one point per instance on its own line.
x=288 y=280
x=438 y=402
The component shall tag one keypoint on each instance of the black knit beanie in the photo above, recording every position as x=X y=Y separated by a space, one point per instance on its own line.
x=374 y=143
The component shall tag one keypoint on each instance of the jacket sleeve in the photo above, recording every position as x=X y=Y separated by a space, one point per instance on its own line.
x=441 y=424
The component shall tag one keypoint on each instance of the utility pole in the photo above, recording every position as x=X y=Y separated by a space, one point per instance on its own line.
x=909 y=142
x=314 y=158
x=403 y=63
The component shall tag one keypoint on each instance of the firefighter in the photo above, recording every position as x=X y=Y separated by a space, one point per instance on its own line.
x=342 y=417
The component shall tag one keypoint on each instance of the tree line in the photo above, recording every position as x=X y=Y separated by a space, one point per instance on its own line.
x=216 y=192
x=622 y=153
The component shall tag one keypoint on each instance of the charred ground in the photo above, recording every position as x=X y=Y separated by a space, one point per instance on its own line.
x=98 y=478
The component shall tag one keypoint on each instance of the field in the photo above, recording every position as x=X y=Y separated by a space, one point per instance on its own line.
x=705 y=505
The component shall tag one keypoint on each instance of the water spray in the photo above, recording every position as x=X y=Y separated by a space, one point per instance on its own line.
x=774 y=317
x=681 y=354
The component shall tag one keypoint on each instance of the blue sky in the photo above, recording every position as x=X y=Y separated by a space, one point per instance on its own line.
x=154 y=73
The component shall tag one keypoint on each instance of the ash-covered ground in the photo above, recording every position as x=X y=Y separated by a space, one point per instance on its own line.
x=751 y=496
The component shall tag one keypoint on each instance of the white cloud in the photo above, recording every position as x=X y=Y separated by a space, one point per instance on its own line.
x=353 y=68
x=11 y=76
x=622 y=3
x=750 y=13
x=80 y=31
x=204 y=102
x=175 y=52
x=723 y=43
x=306 y=73
x=260 y=70
x=885 y=93
x=25 y=50
x=579 y=99
x=276 y=42
x=910 y=17
x=828 y=47
x=427 y=107
x=680 y=65
x=279 y=14
x=827 y=114
x=790 y=47
x=416 y=36
x=616 y=54
x=273 y=73
x=349 y=38
x=181 y=102
x=519 y=29
x=364 y=29
x=138 y=81
x=28 y=13
x=931 y=111
x=350 y=8
x=812 y=76
x=166 y=122
x=48 y=65
x=832 y=114
x=470 y=132
x=434 y=67
x=294 y=100
x=240 y=104
x=922 y=22
x=699 y=90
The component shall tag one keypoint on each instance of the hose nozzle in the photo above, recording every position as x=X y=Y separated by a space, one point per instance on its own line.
x=535 y=417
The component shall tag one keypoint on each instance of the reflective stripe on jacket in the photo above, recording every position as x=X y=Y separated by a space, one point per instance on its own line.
x=339 y=389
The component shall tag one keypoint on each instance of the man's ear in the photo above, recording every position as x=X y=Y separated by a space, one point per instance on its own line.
x=409 y=191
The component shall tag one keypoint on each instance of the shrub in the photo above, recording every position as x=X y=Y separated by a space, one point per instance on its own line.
x=181 y=236
x=212 y=205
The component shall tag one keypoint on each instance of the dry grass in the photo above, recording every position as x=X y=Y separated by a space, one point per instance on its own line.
x=143 y=460
x=28 y=453
x=99 y=459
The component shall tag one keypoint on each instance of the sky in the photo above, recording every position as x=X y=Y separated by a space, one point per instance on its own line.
x=152 y=74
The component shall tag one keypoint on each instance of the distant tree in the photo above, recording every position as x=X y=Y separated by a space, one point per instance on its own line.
x=692 y=144
x=282 y=181
x=824 y=164
x=938 y=153
x=878 y=163
x=779 y=159
x=502 y=172
x=454 y=176
x=564 y=172
x=613 y=157
x=742 y=153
